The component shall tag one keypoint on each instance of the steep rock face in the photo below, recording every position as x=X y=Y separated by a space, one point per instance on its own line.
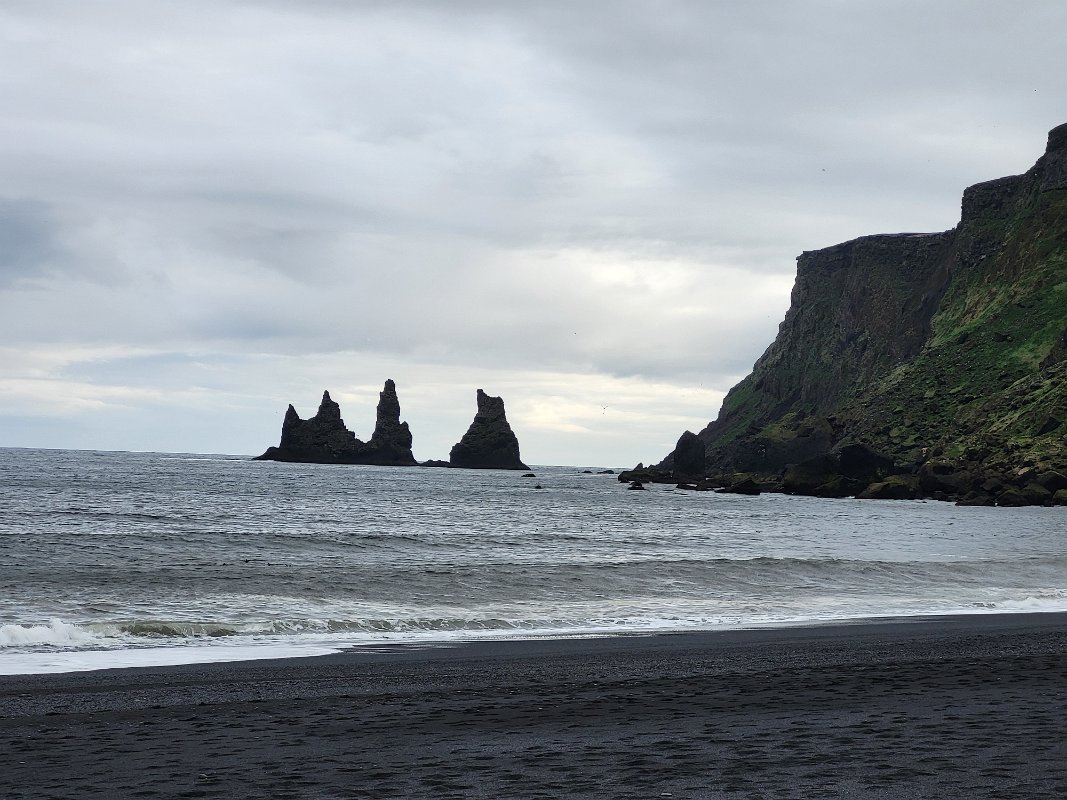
x=689 y=463
x=850 y=322
x=324 y=438
x=948 y=346
x=391 y=439
x=489 y=443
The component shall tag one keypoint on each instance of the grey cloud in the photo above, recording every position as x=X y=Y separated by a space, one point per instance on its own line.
x=27 y=239
x=614 y=189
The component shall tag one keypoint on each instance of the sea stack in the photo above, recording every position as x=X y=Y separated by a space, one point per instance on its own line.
x=489 y=443
x=391 y=440
x=689 y=457
x=324 y=438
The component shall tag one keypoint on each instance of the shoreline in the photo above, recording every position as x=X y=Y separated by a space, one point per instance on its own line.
x=226 y=651
x=901 y=708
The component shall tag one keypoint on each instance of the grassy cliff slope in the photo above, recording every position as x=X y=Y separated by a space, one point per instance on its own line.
x=946 y=352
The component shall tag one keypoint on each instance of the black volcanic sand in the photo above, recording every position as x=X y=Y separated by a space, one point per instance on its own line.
x=962 y=707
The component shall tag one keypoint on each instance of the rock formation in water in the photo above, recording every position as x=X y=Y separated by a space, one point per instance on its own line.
x=489 y=443
x=324 y=438
x=942 y=356
x=689 y=458
x=391 y=439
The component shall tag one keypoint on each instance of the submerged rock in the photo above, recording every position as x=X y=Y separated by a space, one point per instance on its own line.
x=489 y=443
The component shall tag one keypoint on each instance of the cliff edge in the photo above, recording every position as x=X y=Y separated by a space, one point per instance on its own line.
x=943 y=353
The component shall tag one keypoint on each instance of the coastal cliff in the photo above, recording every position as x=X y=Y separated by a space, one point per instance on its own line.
x=325 y=439
x=489 y=443
x=943 y=356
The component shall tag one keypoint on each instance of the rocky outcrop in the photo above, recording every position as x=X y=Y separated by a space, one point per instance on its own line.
x=325 y=439
x=391 y=439
x=489 y=443
x=689 y=454
x=946 y=353
x=843 y=472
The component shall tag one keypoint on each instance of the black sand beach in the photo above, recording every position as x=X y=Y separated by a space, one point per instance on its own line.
x=947 y=707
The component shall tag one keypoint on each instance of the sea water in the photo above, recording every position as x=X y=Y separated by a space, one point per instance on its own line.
x=120 y=559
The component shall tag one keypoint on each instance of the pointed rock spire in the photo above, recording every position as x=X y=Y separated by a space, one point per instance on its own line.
x=391 y=437
x=489 y=443
x=324 y=438
x=328 y=409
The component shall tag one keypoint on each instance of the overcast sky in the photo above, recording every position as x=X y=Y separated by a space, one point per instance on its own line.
x=212 y=208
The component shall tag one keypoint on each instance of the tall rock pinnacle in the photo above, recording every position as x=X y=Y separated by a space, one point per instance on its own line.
x=489 y=443
x=391 y=437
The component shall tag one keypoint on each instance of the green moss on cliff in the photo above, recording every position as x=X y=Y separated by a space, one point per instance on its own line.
x=990 y=376
x=946 y=345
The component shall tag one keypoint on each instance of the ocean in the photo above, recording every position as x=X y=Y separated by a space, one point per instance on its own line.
x=133 y=559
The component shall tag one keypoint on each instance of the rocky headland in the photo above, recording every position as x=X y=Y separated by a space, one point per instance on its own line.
x=489 y=443
x=324 y=438
x=913 y=365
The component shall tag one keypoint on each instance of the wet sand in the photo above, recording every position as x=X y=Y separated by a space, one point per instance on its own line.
x=971 y=707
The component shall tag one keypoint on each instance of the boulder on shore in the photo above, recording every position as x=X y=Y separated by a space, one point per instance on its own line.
x=895 y=487
x=846 y=471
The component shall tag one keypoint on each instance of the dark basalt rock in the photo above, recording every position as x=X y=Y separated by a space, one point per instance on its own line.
x=435 y=463
x=489 y=443
x=689 y=458
x=1012 y=499
x=746 y=486
x=643 y=474
x=976 y=498
x=845 y=472
x=391 y=440
x=938 y=476
x=1051 y=481
x=896 y=487
x=324 y=438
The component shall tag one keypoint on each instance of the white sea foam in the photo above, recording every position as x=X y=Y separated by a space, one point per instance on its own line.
x=85 y=660
x=150 y=560
x=76 y=649
x=1035 y=600
x=56 y=633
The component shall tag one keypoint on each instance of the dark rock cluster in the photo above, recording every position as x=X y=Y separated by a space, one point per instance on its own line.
x=489 y=443
x=324 y=438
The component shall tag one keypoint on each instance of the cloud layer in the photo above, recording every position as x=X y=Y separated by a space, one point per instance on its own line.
x=210 y=209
